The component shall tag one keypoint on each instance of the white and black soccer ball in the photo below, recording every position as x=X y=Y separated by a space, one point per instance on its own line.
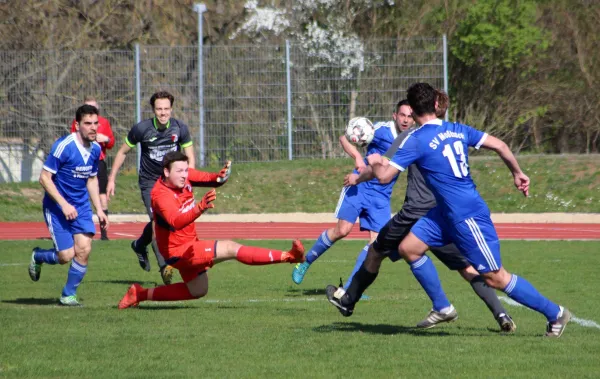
x=360 y=131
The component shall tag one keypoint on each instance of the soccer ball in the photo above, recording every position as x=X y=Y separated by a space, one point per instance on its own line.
x=360 y=131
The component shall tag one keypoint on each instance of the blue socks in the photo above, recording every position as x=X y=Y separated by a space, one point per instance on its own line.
x=76 y=273
x=425 y=272
x=523 y=292
x=322 y=245
x=359 y=261
x=48 y=256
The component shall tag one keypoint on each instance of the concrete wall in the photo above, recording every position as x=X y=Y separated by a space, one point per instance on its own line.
x=19 y=163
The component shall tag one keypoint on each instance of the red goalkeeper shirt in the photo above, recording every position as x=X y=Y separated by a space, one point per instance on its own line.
x=175 y=211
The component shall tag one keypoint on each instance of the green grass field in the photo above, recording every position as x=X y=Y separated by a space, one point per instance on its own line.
x=256 y=323
x=559 y=184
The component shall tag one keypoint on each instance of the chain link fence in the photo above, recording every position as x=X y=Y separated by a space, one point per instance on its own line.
x=261 y=103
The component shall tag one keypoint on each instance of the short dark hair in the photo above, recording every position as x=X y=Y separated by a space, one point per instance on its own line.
x=161 y=95
x=401 y=103
x=443 y=103
x=173 y=156
x=421 y=97
x=85 y=110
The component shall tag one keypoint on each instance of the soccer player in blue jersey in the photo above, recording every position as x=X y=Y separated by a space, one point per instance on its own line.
x=440 y=151
x=368 y=201
x=68 y=176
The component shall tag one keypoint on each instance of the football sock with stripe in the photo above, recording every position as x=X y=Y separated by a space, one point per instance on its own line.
x=322 y=244
x=48 y=256
x=523 y=292
x=488 y=295
x=425 y=272
x=74 y=277
x=359 y=261
x=360 y=282
x=257 y=256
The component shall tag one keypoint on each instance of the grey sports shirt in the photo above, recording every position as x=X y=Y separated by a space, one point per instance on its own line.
x=418 y=199
x=155 y=144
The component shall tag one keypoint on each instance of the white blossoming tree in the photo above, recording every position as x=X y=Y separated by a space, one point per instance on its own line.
x=327 y=44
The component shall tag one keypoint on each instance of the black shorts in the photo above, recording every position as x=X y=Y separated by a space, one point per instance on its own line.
x=102 y=176
x=146 y=190
x=398 y=227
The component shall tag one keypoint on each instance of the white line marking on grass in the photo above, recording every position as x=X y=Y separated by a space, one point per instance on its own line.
x=124 y=234
x=577 y=320
x=294 y=300
x=13 y=264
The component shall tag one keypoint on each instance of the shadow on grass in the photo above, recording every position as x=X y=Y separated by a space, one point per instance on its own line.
x=384 y=329
x=33 y=301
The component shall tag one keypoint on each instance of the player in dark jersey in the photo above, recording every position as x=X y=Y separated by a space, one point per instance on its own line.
x=417 y=202
x=157 y=136
x=440 y=150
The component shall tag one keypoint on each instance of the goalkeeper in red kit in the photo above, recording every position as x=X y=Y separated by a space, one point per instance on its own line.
x=175 y=210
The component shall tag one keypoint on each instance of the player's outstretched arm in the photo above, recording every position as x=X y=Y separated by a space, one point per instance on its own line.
x=209 y=179
x=353 y=152
x=502 y=149
x=94 y=191
x=382 y=169
x=46 y=181
x=117 y=163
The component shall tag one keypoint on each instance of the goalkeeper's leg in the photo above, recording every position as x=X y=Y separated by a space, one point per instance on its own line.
x=252 y=255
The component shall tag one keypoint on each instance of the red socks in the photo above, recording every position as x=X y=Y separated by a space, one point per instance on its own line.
x=256 y=256
x=172 y=292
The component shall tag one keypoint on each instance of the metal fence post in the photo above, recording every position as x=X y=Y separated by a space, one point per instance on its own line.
x=200 y=8
x=289 y=98
x=138 y=98
x=445 y=42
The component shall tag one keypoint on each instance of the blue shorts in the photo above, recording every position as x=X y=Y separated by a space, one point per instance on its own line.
x=62 y=230
x=372 y=208
x=475 y=237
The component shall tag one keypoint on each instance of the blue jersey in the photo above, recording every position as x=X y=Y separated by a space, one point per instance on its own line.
x=72 y=164
x=385 y=134
x=440 y=150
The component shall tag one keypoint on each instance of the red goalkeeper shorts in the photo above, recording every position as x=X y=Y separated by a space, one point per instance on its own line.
x=195 y=258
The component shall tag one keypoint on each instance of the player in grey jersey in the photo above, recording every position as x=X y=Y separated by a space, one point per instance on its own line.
x=417 y=202
x=157 y=136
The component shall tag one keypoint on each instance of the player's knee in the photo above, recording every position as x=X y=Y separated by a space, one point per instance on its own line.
x=82 y=251
x=468 y=273
x=65 y=256
x=198 y=293
x=227 y=249
x=197 y=289
x=497 y=279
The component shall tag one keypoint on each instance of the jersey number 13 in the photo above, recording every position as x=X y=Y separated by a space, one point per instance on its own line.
x=463 y=171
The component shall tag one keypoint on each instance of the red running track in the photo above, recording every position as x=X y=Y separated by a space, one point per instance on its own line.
x=289 y=230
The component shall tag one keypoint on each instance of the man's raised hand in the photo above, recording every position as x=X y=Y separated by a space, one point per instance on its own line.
x=224 y=173
x=207 y=200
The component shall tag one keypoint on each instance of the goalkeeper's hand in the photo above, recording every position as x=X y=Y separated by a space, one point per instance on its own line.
x=207 y=200
x=224 y=173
